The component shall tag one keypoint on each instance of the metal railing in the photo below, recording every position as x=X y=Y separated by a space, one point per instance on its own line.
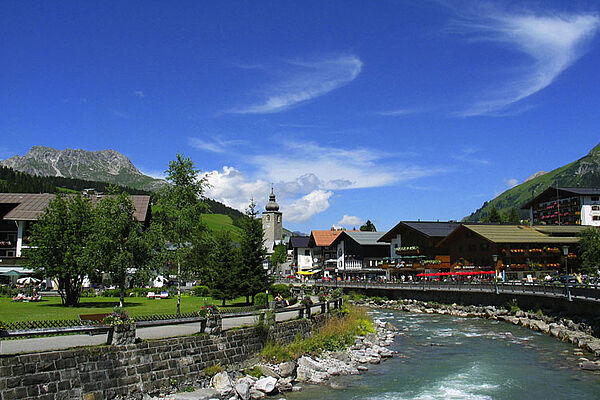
x=569 y=291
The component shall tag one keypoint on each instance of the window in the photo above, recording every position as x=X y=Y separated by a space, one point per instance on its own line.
x=268 y=218
x=595 y=208
x=307 y=252
x=595 y=198
x=596 y=218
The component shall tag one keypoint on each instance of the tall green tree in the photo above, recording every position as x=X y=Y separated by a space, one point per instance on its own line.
x=253 y=276
x=589 y=250
x=224 y=268
x=512 y=216
x=279 y=255
x=368 y=227
x=59 y=239
x=178 y=215
x=493 y=216
x=117 y=244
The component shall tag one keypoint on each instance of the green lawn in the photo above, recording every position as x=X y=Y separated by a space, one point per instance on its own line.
x=50 y=308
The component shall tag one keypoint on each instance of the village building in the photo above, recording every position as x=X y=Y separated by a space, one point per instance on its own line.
x=565 y=206
x=359 y=255
x=272 y=222
x=514 y=251
x=302 y=259
x=413 y=247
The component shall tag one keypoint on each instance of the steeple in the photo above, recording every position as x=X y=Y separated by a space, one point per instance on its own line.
x=272 y=205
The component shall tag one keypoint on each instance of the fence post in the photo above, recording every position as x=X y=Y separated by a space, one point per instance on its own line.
x=323 y=306
x=203 y=325
x=308 y=311
x=301 y=312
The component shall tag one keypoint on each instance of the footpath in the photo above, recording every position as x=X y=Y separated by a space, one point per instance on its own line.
x=42 y=344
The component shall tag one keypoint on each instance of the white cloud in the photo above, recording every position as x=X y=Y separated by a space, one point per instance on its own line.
x=139 y=93
x=305 y=176
x=396 y=113
x=349 y=220
x=551 y=43
x=468 y=155
x=215 y=145
x=304 y=81
x=307 y=206
x=512 y=182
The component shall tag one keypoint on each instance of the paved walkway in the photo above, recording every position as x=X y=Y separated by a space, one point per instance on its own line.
x=41 y=344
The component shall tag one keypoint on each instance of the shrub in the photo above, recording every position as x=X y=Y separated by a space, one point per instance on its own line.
x=212 y=370
x=88 y=293
x=111 y=293
x=254 y=371
x=201 y=291
x=142 y=292
x=260 y=299
x=282 y=289
x=8 y=292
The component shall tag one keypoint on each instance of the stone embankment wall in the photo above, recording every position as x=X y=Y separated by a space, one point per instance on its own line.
x=106 y=372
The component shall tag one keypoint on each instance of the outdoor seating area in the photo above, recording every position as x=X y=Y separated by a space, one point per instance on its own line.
x=25 y=298
x=161 y=295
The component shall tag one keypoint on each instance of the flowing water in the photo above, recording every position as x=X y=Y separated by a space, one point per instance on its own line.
x=444 y=357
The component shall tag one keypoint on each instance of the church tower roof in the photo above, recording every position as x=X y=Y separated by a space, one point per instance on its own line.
x=272 y=205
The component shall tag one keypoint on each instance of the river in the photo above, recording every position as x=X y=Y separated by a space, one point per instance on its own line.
x=444 y=357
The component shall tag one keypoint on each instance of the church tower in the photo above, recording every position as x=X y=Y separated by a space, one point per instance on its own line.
x=272 y=224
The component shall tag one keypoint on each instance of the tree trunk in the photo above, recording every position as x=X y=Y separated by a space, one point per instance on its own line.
x=178 y=287
x=247 y=299
x=223 y=305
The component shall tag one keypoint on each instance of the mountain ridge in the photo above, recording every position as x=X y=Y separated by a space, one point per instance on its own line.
x=584 y=172
x=102 y=165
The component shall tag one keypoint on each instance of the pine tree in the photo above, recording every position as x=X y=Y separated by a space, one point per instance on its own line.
x=368 y=227
x=224 y=268
x=253 y=277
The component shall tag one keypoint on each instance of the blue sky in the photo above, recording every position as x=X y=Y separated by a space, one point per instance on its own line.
x=388 y=111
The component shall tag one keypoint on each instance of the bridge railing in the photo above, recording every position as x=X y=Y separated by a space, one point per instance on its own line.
x=582 y=291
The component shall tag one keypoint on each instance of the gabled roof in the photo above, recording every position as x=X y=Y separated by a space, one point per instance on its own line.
x=552 y=192
x=499 y=233
x=361 y=237
x=564 y=230
x=323 y=238
x=426 y=228
x=299 y=241
x=30 y=206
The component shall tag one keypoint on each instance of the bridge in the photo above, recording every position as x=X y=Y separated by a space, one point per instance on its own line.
x=575 y=299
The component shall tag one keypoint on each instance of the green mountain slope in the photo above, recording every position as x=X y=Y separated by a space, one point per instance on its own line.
x=584 y=172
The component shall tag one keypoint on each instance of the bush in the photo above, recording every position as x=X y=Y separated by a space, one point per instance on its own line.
x=260 y=299
x=254 y=371
x=8 y=292
x=281 y=289
x=213 y=370
x=112 y=293
x=142 y=292
x=88 y=293
x=201 y=291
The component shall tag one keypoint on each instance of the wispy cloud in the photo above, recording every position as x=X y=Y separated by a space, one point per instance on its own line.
x=511 y=183
x=303 y=81
x=396 y=113
x=139 y=93
x=469 y=155
x=121 y=114
x=550 y=42
x=215 y=145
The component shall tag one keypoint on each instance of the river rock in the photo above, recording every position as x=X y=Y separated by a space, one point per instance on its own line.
x=256 y=394
x=266 y=385
x=590 y=366
x=287 y=369
x=198 y=394
x=309 y=363
x=268 y=371
x=341 y=355
x=243 y=390
x=284 y=385
x=222 y=383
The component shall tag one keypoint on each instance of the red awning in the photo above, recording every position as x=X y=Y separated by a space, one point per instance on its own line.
x=459 y=273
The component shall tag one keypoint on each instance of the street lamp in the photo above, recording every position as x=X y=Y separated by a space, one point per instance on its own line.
x=565 y=250
x=495 y=259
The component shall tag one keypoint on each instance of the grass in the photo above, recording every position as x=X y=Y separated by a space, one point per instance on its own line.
x=50 y=308
x=217 y=222
x=336 y=334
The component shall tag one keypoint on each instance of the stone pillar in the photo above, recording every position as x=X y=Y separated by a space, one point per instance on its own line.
x=120 y=335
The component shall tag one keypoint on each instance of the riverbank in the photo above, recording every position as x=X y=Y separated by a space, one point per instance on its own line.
x=578 y=333
x=259 y=378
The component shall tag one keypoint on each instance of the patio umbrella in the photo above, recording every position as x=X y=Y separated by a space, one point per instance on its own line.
x=27 y=281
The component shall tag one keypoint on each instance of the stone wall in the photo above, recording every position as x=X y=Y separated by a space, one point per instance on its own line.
x=108 y=371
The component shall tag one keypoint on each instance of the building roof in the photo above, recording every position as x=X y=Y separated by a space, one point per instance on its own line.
x=564 y=230
x=426 y=228
x=499 y=233
x=299 y=241
x=324 y=238
x=363 y=238
x=553 y=192
x=29 y=206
